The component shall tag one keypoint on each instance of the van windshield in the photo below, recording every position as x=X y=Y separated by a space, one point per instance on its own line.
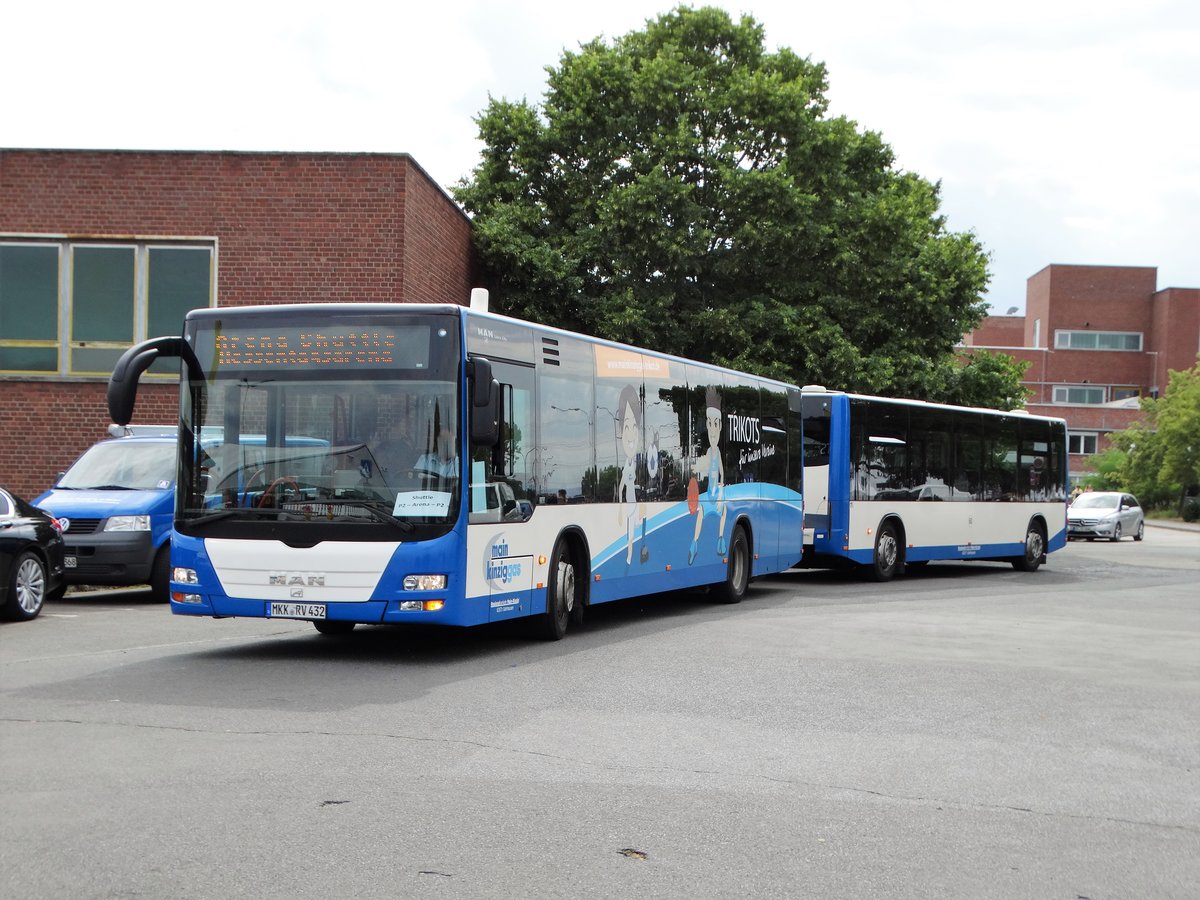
x=123 y=465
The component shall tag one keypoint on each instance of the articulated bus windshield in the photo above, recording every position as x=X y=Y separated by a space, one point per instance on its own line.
x=306 y=431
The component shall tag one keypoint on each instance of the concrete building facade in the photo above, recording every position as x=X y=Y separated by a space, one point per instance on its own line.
x=100 y=249
x=1097 y=339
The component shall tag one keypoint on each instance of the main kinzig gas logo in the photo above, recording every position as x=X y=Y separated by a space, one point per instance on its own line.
x=497 y=568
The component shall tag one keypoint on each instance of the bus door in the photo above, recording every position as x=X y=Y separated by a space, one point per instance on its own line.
x=501 y=498
x=816 y=414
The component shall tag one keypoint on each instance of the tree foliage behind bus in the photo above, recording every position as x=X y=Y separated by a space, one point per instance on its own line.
x=684 y=189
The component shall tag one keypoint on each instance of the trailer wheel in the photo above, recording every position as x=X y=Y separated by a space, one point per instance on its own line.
x=1035 y=550
x=886 y=561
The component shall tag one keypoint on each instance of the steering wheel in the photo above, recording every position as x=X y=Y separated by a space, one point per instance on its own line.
x=268 y=496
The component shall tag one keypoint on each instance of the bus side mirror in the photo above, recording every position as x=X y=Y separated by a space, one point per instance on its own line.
x=122 y=384
x=484 y=412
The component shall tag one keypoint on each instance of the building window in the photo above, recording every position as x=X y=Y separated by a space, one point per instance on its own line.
x=73 y=307
x=1125 y=392
x=1078 y=394
x=1097 y=340
x=1083 y=442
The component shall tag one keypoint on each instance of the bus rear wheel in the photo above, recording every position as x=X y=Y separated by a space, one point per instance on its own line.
x=886 y=560
x=737 y=572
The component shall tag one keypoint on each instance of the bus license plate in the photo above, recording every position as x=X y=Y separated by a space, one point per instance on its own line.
x=297 y=611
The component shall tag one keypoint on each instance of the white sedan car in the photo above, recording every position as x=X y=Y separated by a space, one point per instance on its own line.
x=1105 y=514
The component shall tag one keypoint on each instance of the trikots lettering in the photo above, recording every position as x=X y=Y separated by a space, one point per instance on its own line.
x=743 y=429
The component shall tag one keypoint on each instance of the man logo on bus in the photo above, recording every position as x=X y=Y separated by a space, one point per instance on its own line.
x=712 y=501
x=629 y=431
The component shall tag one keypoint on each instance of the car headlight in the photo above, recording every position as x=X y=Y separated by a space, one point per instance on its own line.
x=128 y=523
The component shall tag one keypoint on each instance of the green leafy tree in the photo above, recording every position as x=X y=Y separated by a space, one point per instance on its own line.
x=984 y=378
x=684 y=189
x=1160 y=456
x=1108 y=466
x=1139 y=468
x=1177 y=415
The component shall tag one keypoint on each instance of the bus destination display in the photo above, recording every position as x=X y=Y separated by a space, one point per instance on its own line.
x=320 y=348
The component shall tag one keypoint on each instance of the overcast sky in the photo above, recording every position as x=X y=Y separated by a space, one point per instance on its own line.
x=1062 y=131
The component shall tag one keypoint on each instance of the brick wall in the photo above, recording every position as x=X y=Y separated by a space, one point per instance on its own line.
x=997 y=331
x=289 y=227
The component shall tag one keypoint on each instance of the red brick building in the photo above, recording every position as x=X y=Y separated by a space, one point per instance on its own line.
x=99 y=249
x=1097 y=339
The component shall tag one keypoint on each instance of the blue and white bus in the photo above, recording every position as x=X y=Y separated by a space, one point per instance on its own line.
x=462 y=467
x=891 y=484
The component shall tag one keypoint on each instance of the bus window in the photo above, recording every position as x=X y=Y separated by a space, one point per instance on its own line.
x=968 y=456
x=664 y=425
x=566 y=411
x=881 y=461
x=1000 y=458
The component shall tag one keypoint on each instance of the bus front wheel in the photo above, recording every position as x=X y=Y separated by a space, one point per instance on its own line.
x=886 y=560
x=563 y=605
x=332 y=626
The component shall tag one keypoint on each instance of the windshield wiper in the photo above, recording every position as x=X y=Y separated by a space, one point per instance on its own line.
x=379 y=514
x=213 y=517
x=106 y=487
x=253 y=512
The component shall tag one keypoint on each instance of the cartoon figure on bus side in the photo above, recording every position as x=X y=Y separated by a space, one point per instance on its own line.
x=629 y=430
x=713 y=499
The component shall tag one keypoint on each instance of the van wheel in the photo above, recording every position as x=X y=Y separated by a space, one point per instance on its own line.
x=160 y=575
x=887 y=553
x=737 y=572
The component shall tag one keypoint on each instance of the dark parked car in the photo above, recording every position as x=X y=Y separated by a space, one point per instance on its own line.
x=1105 y=514
x=31 y=558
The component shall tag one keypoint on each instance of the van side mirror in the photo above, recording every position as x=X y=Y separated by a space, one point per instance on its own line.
x=484 y=408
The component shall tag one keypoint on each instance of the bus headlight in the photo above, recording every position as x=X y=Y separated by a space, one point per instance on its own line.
x=184 y=576
x=128 y=523
x=424 y=582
